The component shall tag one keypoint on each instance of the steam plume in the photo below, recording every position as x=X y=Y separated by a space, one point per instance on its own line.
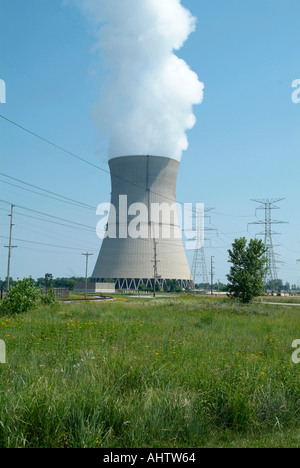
x=147 y=105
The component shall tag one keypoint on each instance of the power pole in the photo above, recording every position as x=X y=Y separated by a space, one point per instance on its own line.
x=155 y=262
x=10 y=247
x=212 y=274
x=268 y=205
x=87 y=255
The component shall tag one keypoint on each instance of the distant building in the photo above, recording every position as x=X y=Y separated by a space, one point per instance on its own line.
x=94 y=288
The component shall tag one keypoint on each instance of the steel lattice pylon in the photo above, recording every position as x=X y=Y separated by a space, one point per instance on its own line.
x=268 y=205
x=199 y=269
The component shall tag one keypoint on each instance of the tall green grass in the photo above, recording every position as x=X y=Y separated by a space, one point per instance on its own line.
x=178 y=372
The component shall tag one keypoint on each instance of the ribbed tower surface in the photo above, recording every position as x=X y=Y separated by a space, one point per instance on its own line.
x=130 y=262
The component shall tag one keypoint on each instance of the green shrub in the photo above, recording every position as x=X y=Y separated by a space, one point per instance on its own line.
x=21 y=298
x=49 y=299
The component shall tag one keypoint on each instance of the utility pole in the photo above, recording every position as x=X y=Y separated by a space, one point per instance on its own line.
x=212 y=274
x=87 y=255
x=155 y=261
x=10 y=247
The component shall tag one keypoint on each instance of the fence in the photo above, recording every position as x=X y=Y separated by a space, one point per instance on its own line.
x=59 y=293
x=2 y=293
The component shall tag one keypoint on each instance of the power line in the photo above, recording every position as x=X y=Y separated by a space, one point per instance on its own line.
x=73 y=227
x=80 y=158
x=231 y=215
x=33 y=229
x=42 y=243
x=45 y=140
x=64 y=198
x=86 y=229
x=46 y=214
x=72 y=154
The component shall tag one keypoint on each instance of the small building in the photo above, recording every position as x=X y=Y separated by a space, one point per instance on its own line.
x=95 y=288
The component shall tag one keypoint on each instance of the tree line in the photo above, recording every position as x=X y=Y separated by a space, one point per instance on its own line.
x=246 y=279
x=48 y=281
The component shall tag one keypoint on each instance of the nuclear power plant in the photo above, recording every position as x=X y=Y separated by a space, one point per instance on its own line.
x=158 y=254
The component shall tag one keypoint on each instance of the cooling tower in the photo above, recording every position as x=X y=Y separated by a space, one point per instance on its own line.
x=151 y=181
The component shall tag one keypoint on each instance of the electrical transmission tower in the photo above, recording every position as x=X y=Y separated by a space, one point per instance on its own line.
x=268 y=205
x=199 y=268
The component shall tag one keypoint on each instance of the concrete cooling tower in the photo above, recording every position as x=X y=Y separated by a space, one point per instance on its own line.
x=151 y=181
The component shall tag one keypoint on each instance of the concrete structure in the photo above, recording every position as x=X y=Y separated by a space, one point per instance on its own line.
x=130 y=261
x=101 y=288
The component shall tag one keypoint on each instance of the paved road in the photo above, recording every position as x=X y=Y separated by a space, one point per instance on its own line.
x=281 y=303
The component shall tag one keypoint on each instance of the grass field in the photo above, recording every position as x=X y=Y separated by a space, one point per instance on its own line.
x=159 y=373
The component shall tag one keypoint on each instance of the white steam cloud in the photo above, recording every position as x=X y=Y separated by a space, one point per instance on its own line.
x=147 y=105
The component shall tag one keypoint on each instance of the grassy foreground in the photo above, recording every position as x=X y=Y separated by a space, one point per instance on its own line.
x=165 y=372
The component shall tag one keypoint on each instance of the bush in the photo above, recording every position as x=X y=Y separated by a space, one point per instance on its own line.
x=23 y=297
x=49 y=299
x=172 y=286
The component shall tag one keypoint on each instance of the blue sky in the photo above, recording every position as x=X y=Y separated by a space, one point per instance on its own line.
x=244 y=146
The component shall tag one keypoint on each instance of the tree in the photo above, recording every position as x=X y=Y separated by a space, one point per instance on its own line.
x=248 y=269
x=172 y=286
x=26 y=295
x=21 y=298
x=4 y=282
x=274 y=285
x=48 y=280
